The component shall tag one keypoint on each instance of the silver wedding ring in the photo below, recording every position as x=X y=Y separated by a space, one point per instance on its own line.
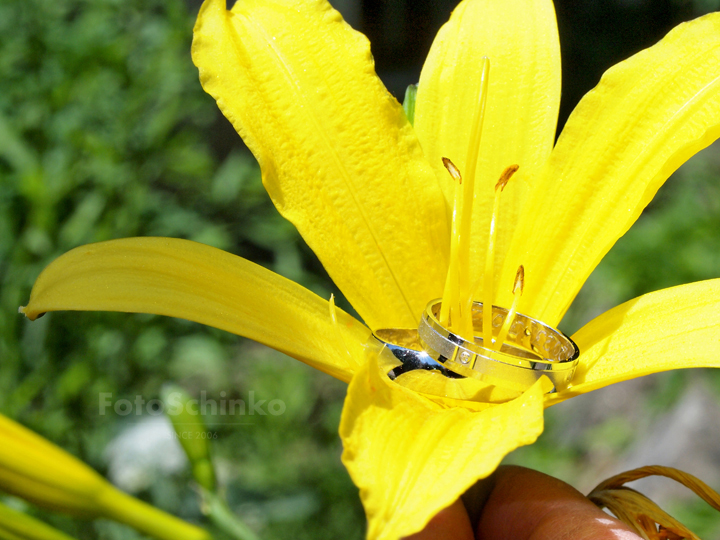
x=530 y=350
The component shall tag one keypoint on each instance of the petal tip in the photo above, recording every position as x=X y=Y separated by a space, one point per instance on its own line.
x=29 y=314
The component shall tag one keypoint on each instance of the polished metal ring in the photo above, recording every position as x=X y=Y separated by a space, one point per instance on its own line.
x=405 y=347
x=531 y=349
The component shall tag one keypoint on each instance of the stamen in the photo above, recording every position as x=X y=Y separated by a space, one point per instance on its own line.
x=450 y=308
x=340 y=335
x=488 y=294
x=457 y=296
x=331 y=306
x=510 y=318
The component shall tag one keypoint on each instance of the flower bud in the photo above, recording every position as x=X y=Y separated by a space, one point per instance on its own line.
x=192 y=434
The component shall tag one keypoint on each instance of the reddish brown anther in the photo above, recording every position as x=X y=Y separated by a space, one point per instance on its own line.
x=452 y=169
x=519 y=279
x=505 y=177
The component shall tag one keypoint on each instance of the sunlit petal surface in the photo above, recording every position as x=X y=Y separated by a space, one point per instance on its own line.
x=412 y=457
x=645 y=118
x=199 y=283
x=520 y=38
x=669 y=329
x=433 y=383
x=338 y=156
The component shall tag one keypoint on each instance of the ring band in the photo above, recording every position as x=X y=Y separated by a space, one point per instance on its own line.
x=532 y=349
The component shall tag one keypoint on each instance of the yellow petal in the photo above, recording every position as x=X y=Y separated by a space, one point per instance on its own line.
x=38 y=471
x=433 y=383
x=412 y=457
x=669 y=329
x=520 y=38
x=192 y=281
x=16 y=525
x=338 y=156
x=35 y=469
x=646 y=117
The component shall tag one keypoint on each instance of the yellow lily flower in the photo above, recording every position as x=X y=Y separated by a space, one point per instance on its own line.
x=368 y=192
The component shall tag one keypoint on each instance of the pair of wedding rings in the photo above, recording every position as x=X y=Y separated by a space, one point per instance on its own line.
x=531 y=350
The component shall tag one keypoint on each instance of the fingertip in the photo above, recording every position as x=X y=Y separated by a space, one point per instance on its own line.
x=529 y=505
x=452 y=523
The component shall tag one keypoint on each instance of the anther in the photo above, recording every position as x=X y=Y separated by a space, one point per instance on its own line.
x=506 y=176
x=452 y=169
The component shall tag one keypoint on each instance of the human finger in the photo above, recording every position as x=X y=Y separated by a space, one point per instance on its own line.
x=529 y=505
x=452 y=523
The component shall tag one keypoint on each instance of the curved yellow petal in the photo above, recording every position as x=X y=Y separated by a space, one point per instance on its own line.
x=670 y=329
x=184 y=279
x=520 y=39
x=38 y=471
x=456 y=391
x=646 y=117
x=338 y=156
x=412 y=457
x=35 y=469
x=15 y=525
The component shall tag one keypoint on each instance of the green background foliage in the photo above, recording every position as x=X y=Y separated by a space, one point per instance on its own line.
x=105 y=133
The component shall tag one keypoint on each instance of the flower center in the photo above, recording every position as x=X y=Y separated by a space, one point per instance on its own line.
x=456 y=309
x=457 y=295
x=483 y=368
